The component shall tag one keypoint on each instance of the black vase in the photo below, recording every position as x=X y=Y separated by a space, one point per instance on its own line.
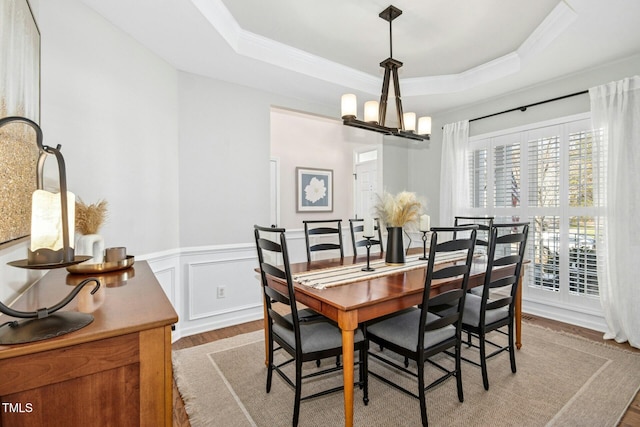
x=395 y=246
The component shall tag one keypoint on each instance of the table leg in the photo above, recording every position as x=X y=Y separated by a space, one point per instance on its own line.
x=348 y=323
x=518 y=313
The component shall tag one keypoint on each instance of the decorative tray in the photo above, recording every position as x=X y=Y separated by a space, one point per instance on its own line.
x=105 y=267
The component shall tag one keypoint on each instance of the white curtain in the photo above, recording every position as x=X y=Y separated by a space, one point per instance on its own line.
x=615 y=112
x=454 y=172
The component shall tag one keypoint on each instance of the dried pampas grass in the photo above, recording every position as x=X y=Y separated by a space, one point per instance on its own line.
x=89 y=218
x=400 y=210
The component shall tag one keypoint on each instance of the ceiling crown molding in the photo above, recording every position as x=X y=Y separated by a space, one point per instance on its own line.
x=266 y=50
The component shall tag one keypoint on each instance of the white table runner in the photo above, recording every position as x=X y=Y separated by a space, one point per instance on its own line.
x=337 y=276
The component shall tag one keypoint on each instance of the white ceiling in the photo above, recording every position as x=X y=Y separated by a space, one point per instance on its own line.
x=455 y=52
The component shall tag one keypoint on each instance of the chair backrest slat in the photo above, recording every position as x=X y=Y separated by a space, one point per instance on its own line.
x=506 y=260
x=510 y=238
x=454 y=245
x=269 y=245
x=450 y=271
x=322 y=230
x=274 y=271
x=502 y=282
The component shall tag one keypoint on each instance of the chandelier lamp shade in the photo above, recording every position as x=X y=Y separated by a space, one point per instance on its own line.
x=375 y=112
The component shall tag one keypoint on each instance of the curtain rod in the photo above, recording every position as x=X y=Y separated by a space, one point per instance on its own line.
x=524 y=107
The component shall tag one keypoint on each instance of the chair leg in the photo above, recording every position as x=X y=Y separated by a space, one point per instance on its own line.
x=270 y=365
x=421 y=394
x=512 y=353
x=459 y=371
x=364 y=375
x=296 y=404
x=360 y=370
x=483 y=360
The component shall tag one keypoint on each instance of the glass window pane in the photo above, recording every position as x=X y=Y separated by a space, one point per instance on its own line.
x=507 y=175
x=478 y=178
x=367 y=156
x=580 y=169
x=544 y=172
x=544 y=248
x=583 y=272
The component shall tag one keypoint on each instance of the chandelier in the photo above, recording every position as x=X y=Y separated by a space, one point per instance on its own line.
x=374 y=112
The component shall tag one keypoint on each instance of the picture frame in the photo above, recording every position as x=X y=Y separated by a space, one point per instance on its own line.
x=314 y=190
x=19 y=96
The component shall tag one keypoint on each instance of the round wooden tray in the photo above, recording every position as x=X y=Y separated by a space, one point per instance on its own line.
x=104 y=267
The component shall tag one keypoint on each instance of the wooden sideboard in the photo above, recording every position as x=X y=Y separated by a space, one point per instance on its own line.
x=114 y=372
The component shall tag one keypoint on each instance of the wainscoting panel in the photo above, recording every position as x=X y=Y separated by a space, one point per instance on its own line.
x=191 y=277
x=217 y=284
x=220 y=287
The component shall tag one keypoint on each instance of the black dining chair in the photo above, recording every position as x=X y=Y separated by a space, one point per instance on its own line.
x=358 y=241
x=323 y=229
x=418 y=334
x=494 y=308
x=303 y=338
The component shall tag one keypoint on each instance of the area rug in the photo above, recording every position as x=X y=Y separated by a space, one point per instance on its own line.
x=562 y=380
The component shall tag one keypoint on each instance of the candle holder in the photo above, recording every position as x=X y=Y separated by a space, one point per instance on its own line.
x=368 y=246
x=424 y=246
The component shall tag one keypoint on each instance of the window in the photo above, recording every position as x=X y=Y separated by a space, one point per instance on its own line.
x=544 y=174
x=366 y=156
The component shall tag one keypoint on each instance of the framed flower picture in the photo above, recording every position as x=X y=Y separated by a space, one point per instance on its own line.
x=314 y=189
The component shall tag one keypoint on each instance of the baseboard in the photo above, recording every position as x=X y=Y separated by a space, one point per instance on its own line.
x=570 y=315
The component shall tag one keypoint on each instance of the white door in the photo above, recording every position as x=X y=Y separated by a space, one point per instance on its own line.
x=274 y=188
x=366 y=188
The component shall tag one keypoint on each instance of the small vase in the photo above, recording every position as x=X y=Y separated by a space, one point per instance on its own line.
x=91 y=244
x=395 y=246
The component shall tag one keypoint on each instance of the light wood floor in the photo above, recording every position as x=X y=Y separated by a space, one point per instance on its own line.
x=180 y=419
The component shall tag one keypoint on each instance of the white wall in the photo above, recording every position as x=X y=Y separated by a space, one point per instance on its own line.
x=224 y=159
x=112 y=105
x=304 y=140
x=396 y=165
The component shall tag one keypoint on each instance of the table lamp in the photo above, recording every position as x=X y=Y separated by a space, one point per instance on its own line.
x=52 y=225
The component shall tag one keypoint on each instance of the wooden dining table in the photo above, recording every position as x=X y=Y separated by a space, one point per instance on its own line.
x=360 y=301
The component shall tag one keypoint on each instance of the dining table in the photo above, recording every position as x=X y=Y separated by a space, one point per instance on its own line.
x=355 y=300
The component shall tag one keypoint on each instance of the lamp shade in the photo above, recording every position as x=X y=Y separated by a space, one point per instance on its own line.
x=349 y=105
x=424 y=125
x=409 y=122
x=371 y=111
x=47 y=238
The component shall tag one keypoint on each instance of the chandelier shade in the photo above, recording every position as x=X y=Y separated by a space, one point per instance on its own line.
x=375 y=112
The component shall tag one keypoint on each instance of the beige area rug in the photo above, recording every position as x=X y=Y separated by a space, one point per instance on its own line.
x=562 y=380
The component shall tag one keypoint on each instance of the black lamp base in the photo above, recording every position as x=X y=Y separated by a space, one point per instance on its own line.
x=54 y=325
